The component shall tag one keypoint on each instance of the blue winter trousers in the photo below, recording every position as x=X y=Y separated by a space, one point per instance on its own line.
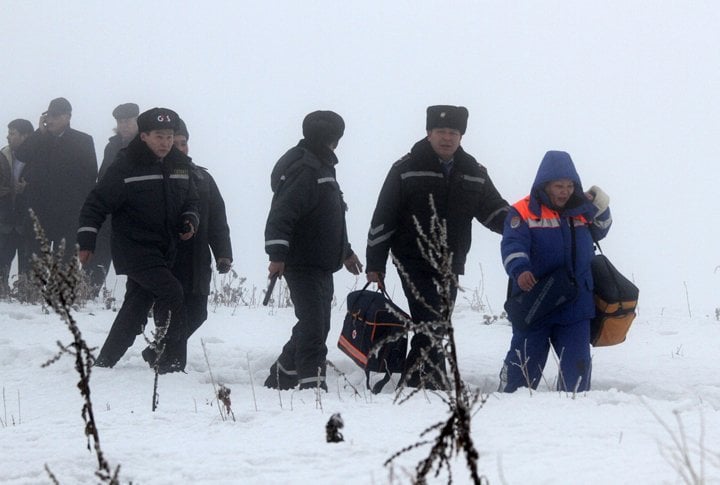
x=524 y=363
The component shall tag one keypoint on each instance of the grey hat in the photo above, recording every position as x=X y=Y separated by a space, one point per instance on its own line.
x=59 y=106
x=126 y=111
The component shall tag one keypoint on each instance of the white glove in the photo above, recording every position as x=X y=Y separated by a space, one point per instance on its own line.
x=598 y=198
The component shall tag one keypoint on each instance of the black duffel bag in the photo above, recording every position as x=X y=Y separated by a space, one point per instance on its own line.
x=373 y=336
x=616 y=298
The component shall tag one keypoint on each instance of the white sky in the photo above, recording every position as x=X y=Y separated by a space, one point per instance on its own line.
x=628 y=88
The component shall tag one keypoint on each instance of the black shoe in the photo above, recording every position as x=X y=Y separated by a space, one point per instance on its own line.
x=280 y=380
x=103 y=361
x=149 y=355
x=169 y=367
x=314 y=385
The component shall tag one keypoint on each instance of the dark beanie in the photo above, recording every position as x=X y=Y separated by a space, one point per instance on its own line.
x=126 y=111
x=323 y=127
x=444 y=116
x=181 y=129
x=158 y=119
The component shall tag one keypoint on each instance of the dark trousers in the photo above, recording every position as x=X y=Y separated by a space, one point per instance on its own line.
x=423 y=282
x=156 y=285
x=303 y=356
x=10 y=243
x=99 y=266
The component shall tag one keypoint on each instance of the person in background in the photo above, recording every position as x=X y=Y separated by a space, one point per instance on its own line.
x=436 y=166
x=551 y=228
x=126 y=128
x=306 y=241
x=193 y=263
x=13 y=213
x=60 y=171
x=153 y=201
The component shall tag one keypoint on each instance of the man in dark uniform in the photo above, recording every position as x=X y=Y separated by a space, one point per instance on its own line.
x=306 y=240
x=126 y=128
x=462 y=190
x=61 y=168
x=193 y=261
x=153 y=202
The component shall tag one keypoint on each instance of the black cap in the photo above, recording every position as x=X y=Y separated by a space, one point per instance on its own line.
x=158 y=119
x=59 y=106
x=444 y=116
x=126 y=111
x=323 y=127
x=182 y=129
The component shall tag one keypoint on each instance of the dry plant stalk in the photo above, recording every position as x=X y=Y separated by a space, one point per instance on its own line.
x=454 y=434
x=58 y=284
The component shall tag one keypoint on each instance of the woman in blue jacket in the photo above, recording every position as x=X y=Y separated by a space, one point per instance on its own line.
x=551 y=228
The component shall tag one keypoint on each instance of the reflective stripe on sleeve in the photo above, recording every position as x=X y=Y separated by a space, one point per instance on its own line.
x=87 y=229
x=281 y=242
x=515 y=256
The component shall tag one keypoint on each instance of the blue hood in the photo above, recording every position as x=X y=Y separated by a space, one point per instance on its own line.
x=556 y=165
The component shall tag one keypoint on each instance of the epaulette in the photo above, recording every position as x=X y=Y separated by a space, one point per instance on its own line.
x=402 y=160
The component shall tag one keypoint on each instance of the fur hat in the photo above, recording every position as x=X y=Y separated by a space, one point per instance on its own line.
x=59 y=106
x=444 y=116
x=126 y=111
x=157 y=119
x=324 y=127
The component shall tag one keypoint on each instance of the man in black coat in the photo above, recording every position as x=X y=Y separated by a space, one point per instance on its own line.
x=462 y=190
x=306 y=240
x=153 y=202
x=126 y=128
x=61 y=168
x=13 y=212
x=193 y=263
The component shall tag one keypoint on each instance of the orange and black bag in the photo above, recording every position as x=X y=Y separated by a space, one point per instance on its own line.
x=616 y=298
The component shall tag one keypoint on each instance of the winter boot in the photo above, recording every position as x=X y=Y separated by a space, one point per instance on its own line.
x=281 y=378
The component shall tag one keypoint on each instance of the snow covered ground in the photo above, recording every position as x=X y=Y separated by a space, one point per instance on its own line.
x=666 y=370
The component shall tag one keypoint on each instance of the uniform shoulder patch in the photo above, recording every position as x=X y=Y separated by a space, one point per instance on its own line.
x=515 y=222
x=402 y=160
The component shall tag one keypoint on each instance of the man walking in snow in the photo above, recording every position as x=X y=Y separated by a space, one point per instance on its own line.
x=153 y=202
x=306 y=240
x=462 y=190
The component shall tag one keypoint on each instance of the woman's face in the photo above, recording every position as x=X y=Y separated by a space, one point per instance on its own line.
x=559 y=192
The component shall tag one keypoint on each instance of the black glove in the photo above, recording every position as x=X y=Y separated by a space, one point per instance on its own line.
x=224 y=265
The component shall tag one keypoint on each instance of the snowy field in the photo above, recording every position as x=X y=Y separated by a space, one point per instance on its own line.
x=667 y=370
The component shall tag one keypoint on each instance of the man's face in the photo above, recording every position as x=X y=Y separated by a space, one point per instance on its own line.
x=181 y=143
x=15 y=139
x=127 y=128
x=159 y=141
x=445 y=141
x=57 y=123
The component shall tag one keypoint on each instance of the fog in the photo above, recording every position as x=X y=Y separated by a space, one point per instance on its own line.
x=629 y=89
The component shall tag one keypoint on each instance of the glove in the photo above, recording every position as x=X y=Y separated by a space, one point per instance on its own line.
x=224 y=265
x=598 y=198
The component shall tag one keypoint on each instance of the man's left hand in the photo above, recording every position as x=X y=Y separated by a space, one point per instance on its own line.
x=224 y=265
x=353 y=264
x=187 y=235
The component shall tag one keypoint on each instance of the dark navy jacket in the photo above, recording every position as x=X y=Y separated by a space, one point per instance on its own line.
x=306 y=224
x=538 y=238
x=466 y=193
x=148 y=200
